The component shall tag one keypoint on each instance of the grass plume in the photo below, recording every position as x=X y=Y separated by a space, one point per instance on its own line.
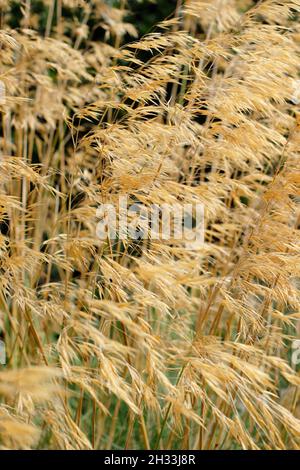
x=149 y=343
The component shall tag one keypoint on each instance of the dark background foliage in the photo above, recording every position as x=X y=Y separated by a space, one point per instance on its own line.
x=144 y=14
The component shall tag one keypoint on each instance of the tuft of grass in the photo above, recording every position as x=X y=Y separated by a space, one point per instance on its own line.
x=144 y=344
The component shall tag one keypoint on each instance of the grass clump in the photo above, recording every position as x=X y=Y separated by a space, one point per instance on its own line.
x=150 y=343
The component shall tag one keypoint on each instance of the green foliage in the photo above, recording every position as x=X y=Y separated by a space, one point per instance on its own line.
x=145 y=14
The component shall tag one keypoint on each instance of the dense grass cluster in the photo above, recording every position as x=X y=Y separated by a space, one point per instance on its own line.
x=144 y=344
